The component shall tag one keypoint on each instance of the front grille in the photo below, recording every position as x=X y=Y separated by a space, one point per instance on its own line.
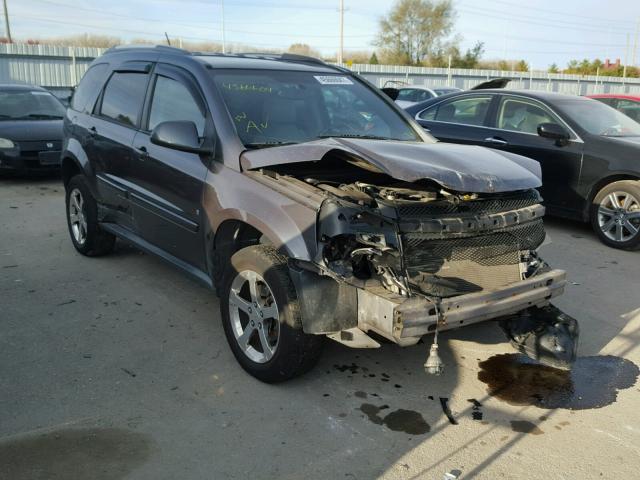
x=445 y=267
x=482 y=206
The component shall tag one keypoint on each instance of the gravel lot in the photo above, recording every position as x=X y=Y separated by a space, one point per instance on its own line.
x=118 y=367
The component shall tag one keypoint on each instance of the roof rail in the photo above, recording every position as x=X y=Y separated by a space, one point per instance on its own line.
x=166 y=48
x=285 y=57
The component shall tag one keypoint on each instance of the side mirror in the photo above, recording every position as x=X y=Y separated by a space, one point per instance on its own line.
x=179 y=135
x=554 y=132
x=392 y=93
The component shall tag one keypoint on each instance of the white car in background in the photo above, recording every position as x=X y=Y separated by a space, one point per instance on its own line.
x=407 y=96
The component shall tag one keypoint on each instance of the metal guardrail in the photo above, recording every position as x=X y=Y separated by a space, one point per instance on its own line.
x=60 y=68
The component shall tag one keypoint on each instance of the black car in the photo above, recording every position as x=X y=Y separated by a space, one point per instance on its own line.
x=588 y=151
x=30 y=129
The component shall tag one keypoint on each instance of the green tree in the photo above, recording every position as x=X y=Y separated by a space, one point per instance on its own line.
x=414 y=30
x=553 y=68
x=374 y=59
x=522 y=66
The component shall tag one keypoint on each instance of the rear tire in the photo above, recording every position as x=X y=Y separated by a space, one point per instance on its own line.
x=615 y=214
x=82 y=220
x=261 y=317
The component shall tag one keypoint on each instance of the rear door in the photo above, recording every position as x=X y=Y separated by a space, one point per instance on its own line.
x=516 y=123
x=461 y=119
x=167 y=184
x=111 y=131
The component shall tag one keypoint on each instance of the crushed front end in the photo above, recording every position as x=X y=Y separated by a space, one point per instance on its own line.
x=427 y=259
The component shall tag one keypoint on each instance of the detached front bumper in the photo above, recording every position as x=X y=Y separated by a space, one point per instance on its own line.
x=404 y=320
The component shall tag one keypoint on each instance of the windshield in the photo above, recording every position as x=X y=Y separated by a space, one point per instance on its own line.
x=27 y=105
x=272 y=107
x=599 y=119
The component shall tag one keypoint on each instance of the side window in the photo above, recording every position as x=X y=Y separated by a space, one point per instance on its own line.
x=423 y=95
x=630 y=108
x=465 y=111
x=406 y=94
x=172 y=101
x=123 y=97
x=87 y=92
x=523 y=116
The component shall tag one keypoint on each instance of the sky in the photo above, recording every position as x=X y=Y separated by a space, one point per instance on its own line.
x=540 y=31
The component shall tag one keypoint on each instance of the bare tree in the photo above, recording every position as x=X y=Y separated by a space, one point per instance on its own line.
x=303 y=49
x=414 y=30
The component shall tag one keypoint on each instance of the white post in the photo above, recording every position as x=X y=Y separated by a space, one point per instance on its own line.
x=597 y=77
x=449 y=72
x=74 y=80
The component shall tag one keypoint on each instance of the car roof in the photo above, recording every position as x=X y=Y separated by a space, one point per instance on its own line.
x=615 y=95
x=9 y=87
x=264 y=61
x=540 y=95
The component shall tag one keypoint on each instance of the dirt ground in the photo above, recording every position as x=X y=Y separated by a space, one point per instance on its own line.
x=117 y=367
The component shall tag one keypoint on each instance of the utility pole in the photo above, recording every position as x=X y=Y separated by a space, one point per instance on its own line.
x=626 y=59
x=341 y=52
x=635 y=44
x=224 y=43
x=6 y=21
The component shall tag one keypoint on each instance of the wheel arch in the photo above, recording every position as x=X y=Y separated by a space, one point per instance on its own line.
x=230 y=236
x=599 y=185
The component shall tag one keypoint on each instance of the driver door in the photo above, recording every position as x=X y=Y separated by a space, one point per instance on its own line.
x=167 y=184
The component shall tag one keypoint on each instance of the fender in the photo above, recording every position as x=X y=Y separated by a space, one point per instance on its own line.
x=289 y=225
x=73 y=152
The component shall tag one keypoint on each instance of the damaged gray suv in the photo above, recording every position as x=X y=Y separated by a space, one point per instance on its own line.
x=310 y=203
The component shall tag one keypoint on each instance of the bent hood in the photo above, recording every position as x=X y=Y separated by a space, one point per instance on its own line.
x=463 y=168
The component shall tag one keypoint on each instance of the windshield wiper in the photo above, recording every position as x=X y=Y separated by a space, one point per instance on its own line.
x=356 y=135
x=40 y=116
x=274 y=143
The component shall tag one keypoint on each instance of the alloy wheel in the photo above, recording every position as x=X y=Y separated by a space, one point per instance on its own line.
x=77 y=216
x=619 y=216
x=254 y=316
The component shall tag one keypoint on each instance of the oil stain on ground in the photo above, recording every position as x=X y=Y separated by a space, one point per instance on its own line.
x=593 y=382
x=74 y=454
x=522 y=426
x=407 y=421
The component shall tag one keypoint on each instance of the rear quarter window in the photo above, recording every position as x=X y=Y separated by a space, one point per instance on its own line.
x=87 y=92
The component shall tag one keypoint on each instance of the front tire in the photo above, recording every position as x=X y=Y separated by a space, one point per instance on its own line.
x=261 y=317
x=615 y=214
x=82 y=220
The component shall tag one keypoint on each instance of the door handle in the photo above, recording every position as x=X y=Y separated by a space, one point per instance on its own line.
x=496 y=141
x=426 y=129
x=93 y=131
x=143 y=153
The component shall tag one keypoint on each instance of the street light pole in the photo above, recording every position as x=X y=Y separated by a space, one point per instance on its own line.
x=224 y=43
x=6 y=21
x=341 y=52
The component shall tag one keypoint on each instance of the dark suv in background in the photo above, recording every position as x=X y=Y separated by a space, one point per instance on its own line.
x=310 y=202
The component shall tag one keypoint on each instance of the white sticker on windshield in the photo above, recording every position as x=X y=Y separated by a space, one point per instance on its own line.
x=333 y=80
